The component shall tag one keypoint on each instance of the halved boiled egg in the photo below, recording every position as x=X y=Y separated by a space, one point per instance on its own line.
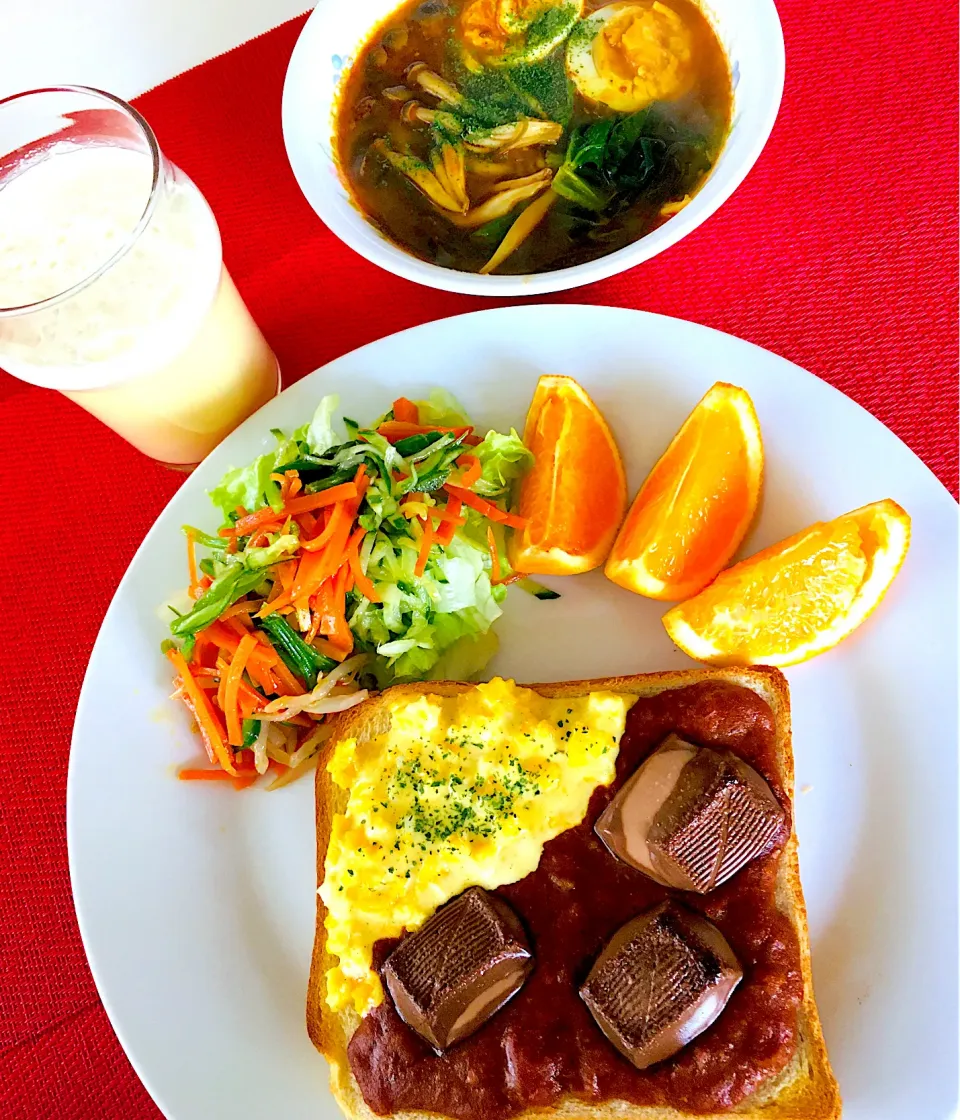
x=506 y=32
x=631 y=53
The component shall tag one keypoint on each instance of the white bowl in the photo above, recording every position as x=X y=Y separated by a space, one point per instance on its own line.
x=336 y=32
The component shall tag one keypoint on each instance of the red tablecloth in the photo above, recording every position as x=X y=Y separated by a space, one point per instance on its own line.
x=839 y=252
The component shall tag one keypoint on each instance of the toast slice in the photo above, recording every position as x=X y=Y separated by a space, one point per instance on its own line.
x=804 y=1090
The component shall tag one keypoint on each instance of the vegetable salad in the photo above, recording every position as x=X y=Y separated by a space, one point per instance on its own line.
x=342 y=563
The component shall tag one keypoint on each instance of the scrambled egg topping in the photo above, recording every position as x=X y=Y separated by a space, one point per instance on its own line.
x=461 y=791
x=629 y=54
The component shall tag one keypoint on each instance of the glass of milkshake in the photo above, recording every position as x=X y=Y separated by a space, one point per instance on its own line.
x=112 y=285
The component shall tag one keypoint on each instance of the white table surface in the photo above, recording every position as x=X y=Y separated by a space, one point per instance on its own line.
x=124 y=46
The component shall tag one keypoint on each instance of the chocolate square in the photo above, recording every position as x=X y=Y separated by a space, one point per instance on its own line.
x=691 y=817
x=463 y=964
x=662 y=979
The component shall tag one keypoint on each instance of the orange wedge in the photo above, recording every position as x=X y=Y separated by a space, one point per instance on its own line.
x=797 y=598
x=696 y=504
x=574 y=495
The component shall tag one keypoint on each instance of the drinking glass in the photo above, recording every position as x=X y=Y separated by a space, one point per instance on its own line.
x=112 y=284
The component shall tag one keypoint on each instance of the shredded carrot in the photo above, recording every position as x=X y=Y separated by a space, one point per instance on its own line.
x=326 y=607
x=317 y=542
x=360 y=579
x=245 y=608
x=325 y=498
x=307 y=523
x=235 y=623
x=342 y=635
x=270 y=516
x=286 y=572
x=290 y=484
x=362 y=482
x=494 y=556
x=395 y=430
x=356 y=539
x=204 y=737
x=245 y=762
x=330 y=600
x=190 y=775
x=315 y=567
x=321 y=645
x=288 y=682
x=442 y=514
x=206 y=720
x=231 y=706
x=246 y=770
x=451 y=515
x=228 y=639
x=425 y=544
x=192 y=564
x=314 y=627
x=488 y=509
x=472 y=472
x=222 y=668
x=284 y=678
x=201 y=645
x=250 y=699
x=262 y=677
x=284 y=483
x=406 y=411
x=351 y=580
x=514 y=577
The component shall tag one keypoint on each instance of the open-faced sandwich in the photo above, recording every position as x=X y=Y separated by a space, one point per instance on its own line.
x=572 y=901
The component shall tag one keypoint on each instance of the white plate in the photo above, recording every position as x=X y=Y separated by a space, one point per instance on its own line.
x=196 y=904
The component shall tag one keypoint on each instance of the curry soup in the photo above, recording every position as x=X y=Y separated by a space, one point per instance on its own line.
x=522 y=136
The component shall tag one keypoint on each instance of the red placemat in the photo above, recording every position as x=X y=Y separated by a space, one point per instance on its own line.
x=839 y=252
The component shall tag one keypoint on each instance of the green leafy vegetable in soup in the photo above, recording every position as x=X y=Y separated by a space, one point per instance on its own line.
x=520 y=136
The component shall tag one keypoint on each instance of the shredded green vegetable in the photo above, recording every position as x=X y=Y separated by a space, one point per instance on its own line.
x=428 y=614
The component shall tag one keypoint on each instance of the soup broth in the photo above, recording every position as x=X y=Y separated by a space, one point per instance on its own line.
x=522 y=136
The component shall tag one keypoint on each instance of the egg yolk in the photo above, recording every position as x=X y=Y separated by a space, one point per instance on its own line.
x=646 y=54
x=488 y=25
x=481 y=28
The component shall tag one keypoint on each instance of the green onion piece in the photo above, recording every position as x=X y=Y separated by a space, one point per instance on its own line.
x=299 y=465
x=251 y=729
x=226 y=589
x=301 y=659
x=412 y=444
x=331 y=480
x=205 y=540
